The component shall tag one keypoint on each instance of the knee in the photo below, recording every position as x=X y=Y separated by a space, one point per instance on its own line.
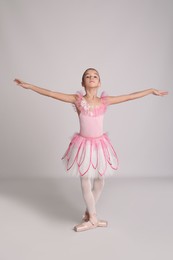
x=100 y=182
x=85 y=184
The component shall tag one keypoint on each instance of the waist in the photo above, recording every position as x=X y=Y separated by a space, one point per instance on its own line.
x=92 y=137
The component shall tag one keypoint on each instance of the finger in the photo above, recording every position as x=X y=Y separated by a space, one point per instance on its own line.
x=17 y=81
x=164 y=93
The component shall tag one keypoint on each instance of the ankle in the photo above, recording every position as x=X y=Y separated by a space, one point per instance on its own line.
x=93 y=218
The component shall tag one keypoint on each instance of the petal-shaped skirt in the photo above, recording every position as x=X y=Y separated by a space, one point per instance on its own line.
x=90 y=157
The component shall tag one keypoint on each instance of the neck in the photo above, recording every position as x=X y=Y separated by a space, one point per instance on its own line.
x=91 y=93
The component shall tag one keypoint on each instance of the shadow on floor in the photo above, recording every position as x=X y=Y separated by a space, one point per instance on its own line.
x=56 y=198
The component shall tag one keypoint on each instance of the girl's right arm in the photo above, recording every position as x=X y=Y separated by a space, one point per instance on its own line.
x=69 y=98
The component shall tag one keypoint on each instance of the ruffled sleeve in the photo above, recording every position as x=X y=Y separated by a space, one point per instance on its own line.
x=77 y=104
x=104 y=98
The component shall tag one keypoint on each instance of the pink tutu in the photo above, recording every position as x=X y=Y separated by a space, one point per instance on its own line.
x=90 y=157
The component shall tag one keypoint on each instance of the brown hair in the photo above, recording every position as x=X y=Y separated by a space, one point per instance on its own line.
x=86 y=72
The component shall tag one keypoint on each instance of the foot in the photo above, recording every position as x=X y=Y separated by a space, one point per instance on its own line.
x=91 y=223
x=85 y=216
x=86 y=225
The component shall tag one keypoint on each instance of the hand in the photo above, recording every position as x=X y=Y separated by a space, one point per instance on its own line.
x=22 y=83
x=159 y=92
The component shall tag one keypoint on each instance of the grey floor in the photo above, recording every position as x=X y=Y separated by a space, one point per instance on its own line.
x=37 y=217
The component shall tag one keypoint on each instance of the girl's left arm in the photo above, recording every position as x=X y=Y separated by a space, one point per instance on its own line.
x=119 y=99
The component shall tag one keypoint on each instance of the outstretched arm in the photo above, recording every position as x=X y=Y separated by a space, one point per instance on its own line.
x=118 y=99
x=70 y=98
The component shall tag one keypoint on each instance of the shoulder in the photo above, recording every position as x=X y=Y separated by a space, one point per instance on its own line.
x=78 y=97
x=78 y=101
x=104 y=98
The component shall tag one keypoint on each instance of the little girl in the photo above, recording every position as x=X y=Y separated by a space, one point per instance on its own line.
x=90 y=153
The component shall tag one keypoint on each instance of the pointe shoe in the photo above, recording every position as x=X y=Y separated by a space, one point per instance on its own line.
x=90 y=224
x=85 y=216
x=101 y=223
x=84 y=226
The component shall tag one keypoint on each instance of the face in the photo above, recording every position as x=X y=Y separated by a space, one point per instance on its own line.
x=91 y=79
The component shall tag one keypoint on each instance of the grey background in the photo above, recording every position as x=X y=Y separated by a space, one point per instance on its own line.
x=50 y=44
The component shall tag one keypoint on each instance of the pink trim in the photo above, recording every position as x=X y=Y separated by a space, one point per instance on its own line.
x=82 y=105
x=80 y=161
x=103 y=147
x=115 y=168
x=77 y=153
x=96 y=165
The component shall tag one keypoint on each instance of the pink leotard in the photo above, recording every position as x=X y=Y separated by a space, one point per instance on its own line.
x=90 y=152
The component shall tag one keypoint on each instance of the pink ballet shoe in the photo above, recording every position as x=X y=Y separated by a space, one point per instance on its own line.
x=102 y=223
x=90 y=224
x=85 y=216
